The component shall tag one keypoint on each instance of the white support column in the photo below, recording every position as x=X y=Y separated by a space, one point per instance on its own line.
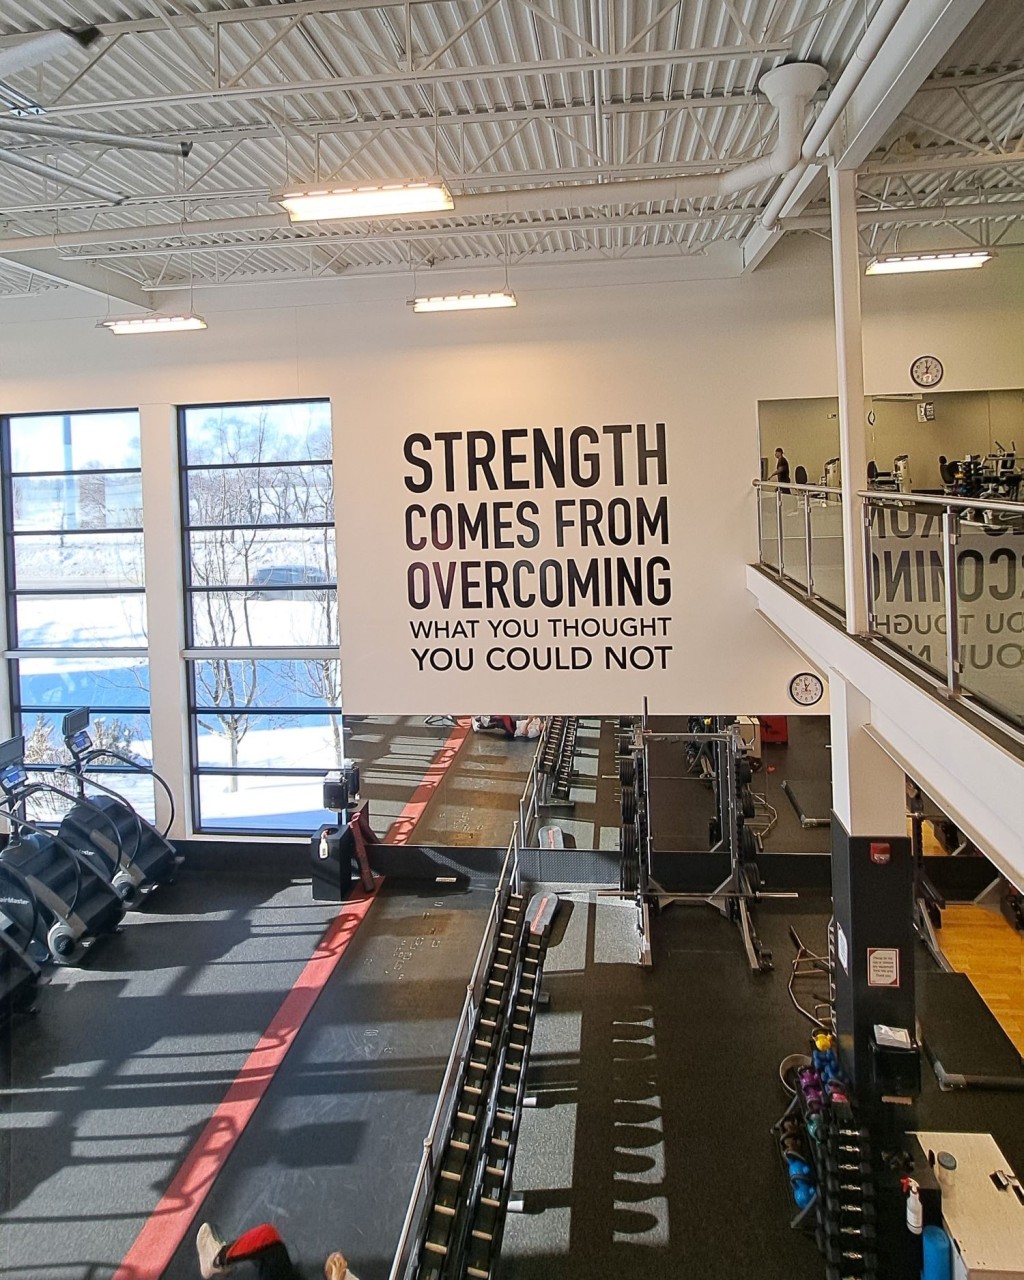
x=868 y=786
x=165 y=615
x=850 y=363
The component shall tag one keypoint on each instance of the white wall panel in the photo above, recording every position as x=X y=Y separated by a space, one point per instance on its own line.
x=695 y=355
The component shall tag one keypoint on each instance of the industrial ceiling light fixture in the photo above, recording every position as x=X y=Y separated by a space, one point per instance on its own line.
x=317 y=204
x=465 y=301
x=153 y=323
x=954 y=260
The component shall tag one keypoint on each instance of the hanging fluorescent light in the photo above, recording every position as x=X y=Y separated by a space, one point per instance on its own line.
x=313 y=204
x=466 y=301
x=153 y=323
x=955 y=260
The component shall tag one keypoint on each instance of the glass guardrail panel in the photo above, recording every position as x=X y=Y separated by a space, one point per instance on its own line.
x=794 y=538
x=990 y=612
x=828 y=573
x=908 y=591
x=769 y=548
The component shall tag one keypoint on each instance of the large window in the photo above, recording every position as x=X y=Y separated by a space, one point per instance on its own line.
x=76 y=622
x=261 y=613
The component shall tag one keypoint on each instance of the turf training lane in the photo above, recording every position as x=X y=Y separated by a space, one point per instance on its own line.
x=332 y=1149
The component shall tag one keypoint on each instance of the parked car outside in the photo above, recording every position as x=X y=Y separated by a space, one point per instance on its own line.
x=280 y=578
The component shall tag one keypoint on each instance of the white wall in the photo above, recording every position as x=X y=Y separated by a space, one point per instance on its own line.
x=698 y=355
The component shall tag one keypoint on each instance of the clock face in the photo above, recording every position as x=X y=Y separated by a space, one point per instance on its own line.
x=806 y=689
x=926 y=371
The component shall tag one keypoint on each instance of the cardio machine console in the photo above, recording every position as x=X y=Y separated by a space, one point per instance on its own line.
x=13 y=775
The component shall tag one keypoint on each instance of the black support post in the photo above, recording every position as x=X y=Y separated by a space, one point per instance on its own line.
x=873 y=896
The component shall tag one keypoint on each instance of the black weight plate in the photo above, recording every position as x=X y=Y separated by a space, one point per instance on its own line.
x=628 y=859
x=628 y=805
x=748 y=845
x=627 y=771
x=744 y=771
x=747 y=802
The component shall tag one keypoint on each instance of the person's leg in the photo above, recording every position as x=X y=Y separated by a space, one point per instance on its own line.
x=262 y=1246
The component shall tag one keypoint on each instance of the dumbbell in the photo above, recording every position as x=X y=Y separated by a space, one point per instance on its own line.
x=848 y=1191
x=844 y=1168
x=861 y=1235
x=858 y=1212
x=844 y=1255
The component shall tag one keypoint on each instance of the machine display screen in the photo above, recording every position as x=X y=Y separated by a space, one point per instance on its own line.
x=80 y=742
x=13 y=777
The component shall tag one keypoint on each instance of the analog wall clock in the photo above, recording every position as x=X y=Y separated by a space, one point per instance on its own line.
x=806 y=689
x=926 y=371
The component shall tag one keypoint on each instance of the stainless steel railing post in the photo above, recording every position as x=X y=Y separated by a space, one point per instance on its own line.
x=869 y=584
x=950 y=536
x=806 y=498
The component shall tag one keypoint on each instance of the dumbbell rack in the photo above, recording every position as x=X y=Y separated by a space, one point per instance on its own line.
x=844 y=1206
x=846 y=1202
x=469 y=1196
x=556 y=763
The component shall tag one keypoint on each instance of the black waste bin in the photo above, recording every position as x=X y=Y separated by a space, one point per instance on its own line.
x=331 y=856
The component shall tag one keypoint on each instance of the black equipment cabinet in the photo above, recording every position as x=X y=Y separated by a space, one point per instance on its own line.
x=331 y=851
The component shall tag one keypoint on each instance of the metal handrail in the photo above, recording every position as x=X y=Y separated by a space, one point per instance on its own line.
x=952 y=508
x=789 y=485
x=446 y=1094
x=945 y=500
x=529 y=804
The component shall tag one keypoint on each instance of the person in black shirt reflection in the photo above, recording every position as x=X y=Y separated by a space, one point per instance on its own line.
x=781 y=472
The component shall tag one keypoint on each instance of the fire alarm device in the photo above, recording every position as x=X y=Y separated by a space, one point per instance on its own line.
x=881 y=852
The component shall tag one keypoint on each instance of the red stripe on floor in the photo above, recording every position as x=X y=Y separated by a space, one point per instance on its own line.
x=170 y=1221
x=402 y=827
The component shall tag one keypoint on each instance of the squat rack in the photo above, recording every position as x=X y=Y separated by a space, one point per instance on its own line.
x=741 y=888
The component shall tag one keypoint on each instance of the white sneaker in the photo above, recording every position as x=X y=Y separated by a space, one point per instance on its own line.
x=208 y=1244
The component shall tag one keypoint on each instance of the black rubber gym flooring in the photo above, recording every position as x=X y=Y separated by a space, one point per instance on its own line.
x=649 y=1152
x=107 y=1087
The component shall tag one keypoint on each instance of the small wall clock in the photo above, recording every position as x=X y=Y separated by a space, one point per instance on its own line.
x=806 y=689
x=926 y=371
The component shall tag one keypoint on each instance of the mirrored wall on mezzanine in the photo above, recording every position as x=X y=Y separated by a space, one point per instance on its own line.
x=943 y=514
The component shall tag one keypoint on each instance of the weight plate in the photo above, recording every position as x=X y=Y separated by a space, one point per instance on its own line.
x=627 y=771
x=628 y=805
x=747 y=802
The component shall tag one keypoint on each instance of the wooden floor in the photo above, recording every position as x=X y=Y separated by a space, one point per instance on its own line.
x=980 y=942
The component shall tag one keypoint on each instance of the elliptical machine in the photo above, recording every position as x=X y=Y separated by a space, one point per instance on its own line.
x=20 y=971
x=76 y=902
x=142 y=856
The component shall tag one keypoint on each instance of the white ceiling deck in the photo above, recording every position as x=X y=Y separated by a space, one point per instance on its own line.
x=495 y=96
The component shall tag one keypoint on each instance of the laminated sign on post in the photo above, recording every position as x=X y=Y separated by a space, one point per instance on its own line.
x=883 y=967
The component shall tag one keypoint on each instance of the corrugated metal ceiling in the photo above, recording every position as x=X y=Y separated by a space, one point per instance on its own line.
x=492 y=96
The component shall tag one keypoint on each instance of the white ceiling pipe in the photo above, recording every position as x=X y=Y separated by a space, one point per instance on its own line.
x=43 y=46
x=788 y=88
x=874 y=37
x=19 y=161
x=66 y=133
